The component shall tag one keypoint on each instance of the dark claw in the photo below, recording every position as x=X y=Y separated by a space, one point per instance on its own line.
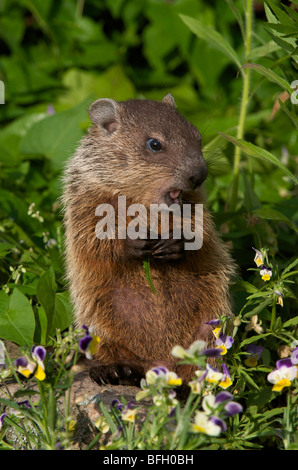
x=115 y=374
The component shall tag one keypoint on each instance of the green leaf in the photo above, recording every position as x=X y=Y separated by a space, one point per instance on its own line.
x=257 y=152
x=17 y=322
x=146 y=266
x=264 y=50
x=291 y=322
x=212 y=36
x=268 y=213
x=270 y=75
x=56 y=136
x=45 y=291
x=253 y=339
x=292 y=265
x=63 y=313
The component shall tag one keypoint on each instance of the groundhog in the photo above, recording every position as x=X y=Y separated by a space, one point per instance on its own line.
x=147 y=152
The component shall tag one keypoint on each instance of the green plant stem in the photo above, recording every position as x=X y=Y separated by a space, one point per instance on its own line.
x=273 y=315
x=287 y=422
x=243 y=105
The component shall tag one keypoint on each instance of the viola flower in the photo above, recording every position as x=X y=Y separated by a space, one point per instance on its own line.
x=226 y=379
x=280 y=297
x=254 y=354
x=168 y=401
x=88 y=344
x=213 y=374
x=195 y=348
x=283 y=375
x=211 y=402
x=224 y=342
x=27 y=366
x=211 y=426
x=294 y=356
x=129 y=414
x=195 y=352
x=259 y=257
x=233 y=408
x=217 y=329
x=102 y=425
x=39 y=354
x=216 y=408
x=197 y=385
x=2 y=419
x=161 y=376
x=266 y=272
x=254 y=325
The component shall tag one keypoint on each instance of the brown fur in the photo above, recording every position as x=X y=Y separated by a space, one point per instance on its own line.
x=138 y=328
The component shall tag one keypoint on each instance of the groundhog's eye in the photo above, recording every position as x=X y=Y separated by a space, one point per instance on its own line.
x=154 y=145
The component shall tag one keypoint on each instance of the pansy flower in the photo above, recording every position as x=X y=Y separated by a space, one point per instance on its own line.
x=259 y=257
x=254 y=354
x=216 y=327
x=294 y=356
x=212 y=426
x=226 y=379
x=283 y=375
x=33 y=365
x=88 y=344
x=213 y=374
x=196 y=350
x=2 y=419
x=279 y=297
x=224 y=342
x=161 y=376
x=266 y=272
x=128 y=413
x=216 y=409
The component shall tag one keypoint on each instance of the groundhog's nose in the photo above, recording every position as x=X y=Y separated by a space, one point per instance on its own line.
x=199 y=175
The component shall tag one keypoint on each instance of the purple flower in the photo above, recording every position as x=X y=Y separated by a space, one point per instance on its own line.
x=39 y=353
x=224 y=342
x=215 y=322
x=25 y=403
x=88 y=344
x=33 y=363
x=254 y=354
x=232 y=409
x=211 y=352
x=226 y=380
x=223 y=396
x=160 y=370
x=2 y=419
x=218 y=422
x=294 y=356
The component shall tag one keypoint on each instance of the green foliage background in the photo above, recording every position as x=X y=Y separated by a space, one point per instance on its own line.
x=56 y=57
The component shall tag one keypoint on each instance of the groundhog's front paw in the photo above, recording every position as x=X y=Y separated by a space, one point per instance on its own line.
x=171 y=249
x=115 y=374
x=137 y=249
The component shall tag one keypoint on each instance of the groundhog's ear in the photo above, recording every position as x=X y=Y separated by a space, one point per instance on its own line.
x=104 y=112
x=168 y=99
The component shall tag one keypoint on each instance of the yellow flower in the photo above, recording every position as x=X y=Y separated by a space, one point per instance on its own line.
x=259 y=258
x=129 y=415
x=39 y=374
x=279 y=386
x=216 y=332
x=102 y=425
x=266 y=273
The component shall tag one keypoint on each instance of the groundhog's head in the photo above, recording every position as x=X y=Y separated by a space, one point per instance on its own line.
x=145 y=150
